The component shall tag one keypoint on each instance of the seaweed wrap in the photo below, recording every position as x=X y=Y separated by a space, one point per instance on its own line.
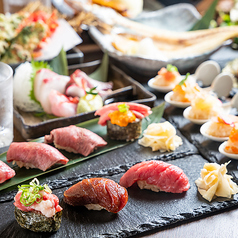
x=123 y=119
x=36 y=208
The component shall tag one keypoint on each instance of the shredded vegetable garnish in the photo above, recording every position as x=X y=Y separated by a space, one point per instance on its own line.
x=171 y=68
x=31 y=193
x=183 y=81
x=123 y=107
x=92 y=91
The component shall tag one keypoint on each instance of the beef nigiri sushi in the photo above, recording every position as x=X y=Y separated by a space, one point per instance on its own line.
x=34 y=155
x=97 y=194
x=5 y=172
x=123 y=119
x=36 y=208
x=156 y=176
x=75 y=139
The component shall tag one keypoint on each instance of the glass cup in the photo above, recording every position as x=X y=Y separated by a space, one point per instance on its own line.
x=13 y=6
x=6 y=105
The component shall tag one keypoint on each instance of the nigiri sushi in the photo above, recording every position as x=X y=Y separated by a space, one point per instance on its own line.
x=156 y=176
x=123 y=119
x=34 y=155
x=36 y=208
x=97 y=194
x=5 y=172
x=167 y=76
x=75 y=139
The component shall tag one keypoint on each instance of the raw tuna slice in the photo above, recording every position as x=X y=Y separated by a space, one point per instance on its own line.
x=75 y=139
x=34 y=155
x=97 y=191
x=139 y=110
x=157 y=176
x=5 y=172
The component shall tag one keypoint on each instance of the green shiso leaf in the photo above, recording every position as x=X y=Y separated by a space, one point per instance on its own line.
x=101 y=73
x=204 y=22
x=59 y=64
x=172 y=68
x=184 y=80
x=23 y=174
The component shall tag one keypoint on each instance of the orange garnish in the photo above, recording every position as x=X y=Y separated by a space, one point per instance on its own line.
x=122 y=118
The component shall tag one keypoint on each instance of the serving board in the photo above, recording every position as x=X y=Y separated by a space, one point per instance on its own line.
x=145 y=210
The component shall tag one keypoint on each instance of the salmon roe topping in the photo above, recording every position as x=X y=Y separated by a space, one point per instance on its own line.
x=168 y=75
x=122 y=118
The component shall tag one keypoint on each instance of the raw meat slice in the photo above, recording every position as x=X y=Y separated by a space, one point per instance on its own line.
x=34 y=155
x=156 y=174
x=75 y=139
x=5 y=172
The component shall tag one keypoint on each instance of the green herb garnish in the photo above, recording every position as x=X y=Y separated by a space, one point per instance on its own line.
x=172 y=68
x=123 y=107
x=31 y=193
x=183 y=80
x=92 y=91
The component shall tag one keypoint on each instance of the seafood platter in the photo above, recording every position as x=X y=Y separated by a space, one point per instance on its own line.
x=113 y=160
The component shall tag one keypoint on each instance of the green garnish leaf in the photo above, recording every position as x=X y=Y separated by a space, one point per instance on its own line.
x=92 y=91
x=31 y=193
x=172 y=68
x=123 y=107
x=183 y=80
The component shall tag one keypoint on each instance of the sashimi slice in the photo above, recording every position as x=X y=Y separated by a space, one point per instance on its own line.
x=34 y=155
x=75 y=139
x=166 y=177
x=5 y=172
x=97 y=191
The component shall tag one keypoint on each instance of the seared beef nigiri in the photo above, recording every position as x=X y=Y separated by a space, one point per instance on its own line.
x=75 y=139
x=34 y=155
x=96 y=194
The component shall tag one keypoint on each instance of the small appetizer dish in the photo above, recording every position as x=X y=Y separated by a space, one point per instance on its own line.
x=157 y=176
x=230 y=148
x=183 y=92
x=203 y=107
x=161 y=136
x=166 y=79
x=36 y=208
x=123 y=119
x=215 y=182
x=97 y=194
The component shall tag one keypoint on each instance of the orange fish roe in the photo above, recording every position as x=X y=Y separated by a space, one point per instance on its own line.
x=232 y=143
x=168 y=75
x=122 y=118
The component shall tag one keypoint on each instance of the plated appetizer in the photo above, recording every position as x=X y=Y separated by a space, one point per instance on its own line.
x=156 y=176
x=36 y=208
x=219 y=127
x=232 y=144
x=97 y=194
x=203 y=107
x=34 y=155
x=75 y=139
x=37 y=88
x=215 y=182
x=5 y=172
x=161 y=136
x=168 y=76
x=123 y=119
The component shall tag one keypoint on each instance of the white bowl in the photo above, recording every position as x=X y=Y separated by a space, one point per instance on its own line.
x=203 y=130
x=195 y=121
x=167 y=98
x=222 y=151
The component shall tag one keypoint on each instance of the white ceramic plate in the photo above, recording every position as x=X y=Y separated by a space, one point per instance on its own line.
x=222 y=151
x=160 y=88
x=195 y=121
x=167 y=98
x=203 y=130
